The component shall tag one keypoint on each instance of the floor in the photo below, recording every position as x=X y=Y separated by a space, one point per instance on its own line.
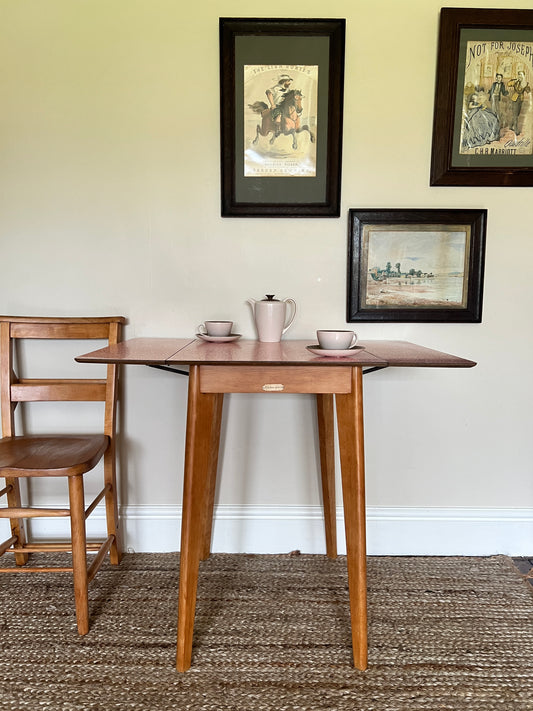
x=525 y=566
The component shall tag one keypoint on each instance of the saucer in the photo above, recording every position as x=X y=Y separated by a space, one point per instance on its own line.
x=219 y=339
x=334 y=353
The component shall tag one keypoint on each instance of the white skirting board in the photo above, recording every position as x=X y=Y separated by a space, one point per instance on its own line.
x=281 y=529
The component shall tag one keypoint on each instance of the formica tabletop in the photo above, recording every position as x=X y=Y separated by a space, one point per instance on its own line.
x=192 y=351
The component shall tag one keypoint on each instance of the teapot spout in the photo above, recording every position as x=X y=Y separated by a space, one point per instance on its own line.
x=252 y=303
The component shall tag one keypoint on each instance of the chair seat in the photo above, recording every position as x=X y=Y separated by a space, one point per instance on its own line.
x=54 y=455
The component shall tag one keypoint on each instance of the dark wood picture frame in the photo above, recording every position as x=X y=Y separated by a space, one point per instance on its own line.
x=415 y=265
x=311 y=53
x=483 y=43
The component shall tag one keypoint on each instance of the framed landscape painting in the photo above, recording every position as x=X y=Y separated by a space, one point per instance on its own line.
x=483 y=117
x=281 y=101
x=415 y=265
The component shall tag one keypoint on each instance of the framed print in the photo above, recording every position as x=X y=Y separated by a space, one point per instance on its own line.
x=415 y=265
x=483 y=120
x=281 y=94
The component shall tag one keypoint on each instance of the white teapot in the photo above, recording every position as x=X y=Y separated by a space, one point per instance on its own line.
x=271 y=319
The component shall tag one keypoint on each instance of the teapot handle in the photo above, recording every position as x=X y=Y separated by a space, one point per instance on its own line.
x=291 y=319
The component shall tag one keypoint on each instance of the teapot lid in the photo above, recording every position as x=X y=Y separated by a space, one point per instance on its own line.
x=270 y=297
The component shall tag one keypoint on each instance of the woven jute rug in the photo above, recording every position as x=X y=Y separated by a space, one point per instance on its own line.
x=272 y=632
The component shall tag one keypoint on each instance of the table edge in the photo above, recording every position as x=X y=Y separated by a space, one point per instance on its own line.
x=433 y=359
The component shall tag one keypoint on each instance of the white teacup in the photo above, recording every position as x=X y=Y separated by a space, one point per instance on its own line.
x=330 y=339
x=215 y=328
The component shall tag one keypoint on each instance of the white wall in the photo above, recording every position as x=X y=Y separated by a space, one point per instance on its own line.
x=110 y=203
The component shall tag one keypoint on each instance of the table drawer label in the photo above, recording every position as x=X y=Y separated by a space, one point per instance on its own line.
x=273 y=387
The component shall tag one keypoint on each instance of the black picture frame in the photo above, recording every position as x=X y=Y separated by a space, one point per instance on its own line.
x=415 y=265
x=482 y=132
x=261 y=181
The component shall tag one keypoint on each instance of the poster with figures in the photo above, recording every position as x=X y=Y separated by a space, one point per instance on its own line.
x=280 y=120
x=497 y=114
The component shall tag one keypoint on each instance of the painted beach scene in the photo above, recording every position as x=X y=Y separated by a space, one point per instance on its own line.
x=414 y=267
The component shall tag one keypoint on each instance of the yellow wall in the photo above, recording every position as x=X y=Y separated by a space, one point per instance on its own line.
x=110 y=203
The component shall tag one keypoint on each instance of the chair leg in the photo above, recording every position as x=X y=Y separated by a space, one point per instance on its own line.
x=79 y=551
x=17 y=524
x=111 y=505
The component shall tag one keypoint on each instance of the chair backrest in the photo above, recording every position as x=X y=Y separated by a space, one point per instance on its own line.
x=14 y=389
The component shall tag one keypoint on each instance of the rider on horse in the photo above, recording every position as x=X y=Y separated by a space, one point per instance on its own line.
x=276 y=94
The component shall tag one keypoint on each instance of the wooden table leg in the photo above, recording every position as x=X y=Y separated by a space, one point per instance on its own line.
x=326 y=434
x=201 y=417
x=213 y=465
x=351 y=445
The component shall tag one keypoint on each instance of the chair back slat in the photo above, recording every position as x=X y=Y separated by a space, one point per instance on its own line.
x=59 y=390
x=60 y=330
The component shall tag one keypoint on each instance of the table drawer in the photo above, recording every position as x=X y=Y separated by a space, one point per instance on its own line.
x=278 y=379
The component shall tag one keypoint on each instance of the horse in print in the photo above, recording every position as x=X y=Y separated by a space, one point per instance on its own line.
x=289 y=124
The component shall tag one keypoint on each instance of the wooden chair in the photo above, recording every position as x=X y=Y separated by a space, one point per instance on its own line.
x=69 y=456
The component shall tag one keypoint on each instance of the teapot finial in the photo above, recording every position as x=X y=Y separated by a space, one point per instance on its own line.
x=270 y=297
